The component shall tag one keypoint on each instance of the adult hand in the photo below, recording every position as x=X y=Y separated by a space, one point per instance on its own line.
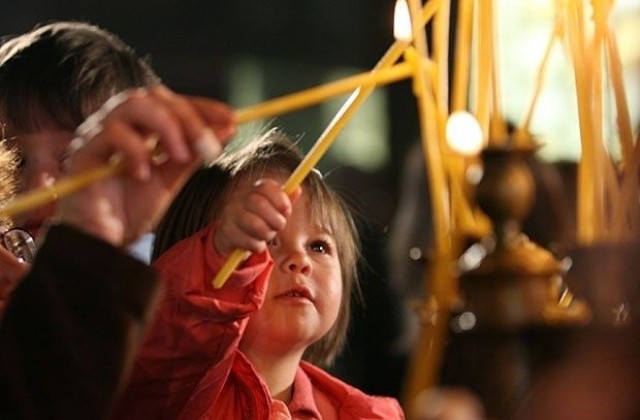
x=121 y=208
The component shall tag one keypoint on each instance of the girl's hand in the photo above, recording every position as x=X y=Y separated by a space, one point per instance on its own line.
x=253 y=215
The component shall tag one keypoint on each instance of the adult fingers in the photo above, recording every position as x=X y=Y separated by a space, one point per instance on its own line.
x=217 y=114
x=196 y=129
x=180 y=126
x=115 y=138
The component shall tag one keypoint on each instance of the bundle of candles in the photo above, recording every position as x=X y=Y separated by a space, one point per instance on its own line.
x=607 y=205
x=607 y=209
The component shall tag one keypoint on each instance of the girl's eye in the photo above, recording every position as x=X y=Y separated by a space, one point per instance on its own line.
x=321 y=247
x=273 y=242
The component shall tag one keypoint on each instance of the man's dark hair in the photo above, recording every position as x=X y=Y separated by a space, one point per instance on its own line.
x=62 y=72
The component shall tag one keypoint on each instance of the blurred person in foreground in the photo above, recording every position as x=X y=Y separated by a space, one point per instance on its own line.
x=51 y=79
x=74 y=323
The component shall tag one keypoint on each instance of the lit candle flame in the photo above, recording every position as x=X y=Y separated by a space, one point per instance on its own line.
x=464 y=134
x=402 y=21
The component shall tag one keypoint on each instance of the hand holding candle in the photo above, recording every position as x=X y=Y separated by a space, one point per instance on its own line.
x=123 y=130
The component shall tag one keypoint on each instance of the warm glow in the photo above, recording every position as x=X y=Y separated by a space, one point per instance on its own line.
x=464 y=134
x=402 y=21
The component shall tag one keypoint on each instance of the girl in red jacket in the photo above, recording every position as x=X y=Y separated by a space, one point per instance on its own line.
x=250 y=350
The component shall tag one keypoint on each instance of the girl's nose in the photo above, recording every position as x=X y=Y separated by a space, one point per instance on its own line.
x=296 y=262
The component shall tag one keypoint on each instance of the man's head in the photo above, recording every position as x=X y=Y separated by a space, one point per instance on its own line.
x=51 y=79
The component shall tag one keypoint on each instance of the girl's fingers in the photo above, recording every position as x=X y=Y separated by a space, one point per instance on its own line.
x=231 y=236
x=272 y=192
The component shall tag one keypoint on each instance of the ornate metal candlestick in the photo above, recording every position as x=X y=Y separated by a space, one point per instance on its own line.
x=518 y=282
x=516 y=308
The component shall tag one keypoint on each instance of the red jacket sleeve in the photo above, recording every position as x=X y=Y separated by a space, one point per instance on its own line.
x=197 y=328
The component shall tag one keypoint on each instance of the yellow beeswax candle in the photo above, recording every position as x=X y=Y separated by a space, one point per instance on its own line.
x=462 y=55
x=319 y=94
x=485 y=54
x=64 y=187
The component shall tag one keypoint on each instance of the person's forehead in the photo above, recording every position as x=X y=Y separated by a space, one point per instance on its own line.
x=49 y=138
x=36 y=119
x=49 y=133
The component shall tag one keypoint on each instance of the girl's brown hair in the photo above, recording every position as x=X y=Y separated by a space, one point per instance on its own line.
x=205 y=194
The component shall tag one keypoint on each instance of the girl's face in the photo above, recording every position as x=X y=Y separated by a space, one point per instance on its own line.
x=305 y=288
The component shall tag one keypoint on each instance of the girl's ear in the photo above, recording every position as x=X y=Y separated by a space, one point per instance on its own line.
x=295 y=194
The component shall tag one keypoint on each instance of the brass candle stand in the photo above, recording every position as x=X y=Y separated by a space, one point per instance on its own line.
x=517 y=311
x=518 y=282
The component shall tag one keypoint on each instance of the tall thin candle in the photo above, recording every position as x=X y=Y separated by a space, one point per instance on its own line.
x=497 y=127
x=64 y=187
x=587 y=222
x=462 y=53
x=522 y=136
x=430 y=136
x=441 y=57
x=483 y=85
x=622 y=110
x=319 y=94
x=426 y=360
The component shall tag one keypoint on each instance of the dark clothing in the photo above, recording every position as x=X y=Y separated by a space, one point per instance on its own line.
x=71 y=329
